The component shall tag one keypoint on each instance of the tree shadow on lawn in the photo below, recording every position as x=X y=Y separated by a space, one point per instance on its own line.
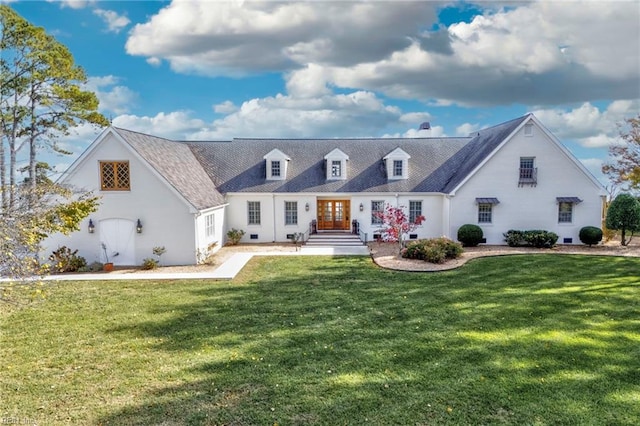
x=311 y=341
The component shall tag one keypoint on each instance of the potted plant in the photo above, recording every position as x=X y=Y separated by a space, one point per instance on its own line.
x=108 y=266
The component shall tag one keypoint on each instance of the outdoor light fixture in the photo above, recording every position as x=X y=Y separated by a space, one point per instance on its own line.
x=306 y=207
x=139 y=227
x=361 y=207
x=92 y=227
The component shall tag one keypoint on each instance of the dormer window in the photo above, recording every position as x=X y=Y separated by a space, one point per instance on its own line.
x=336 y=162
x=397 y=168
x=276 y=162
x=397 y=164
x=336 y=169
x=275 y=168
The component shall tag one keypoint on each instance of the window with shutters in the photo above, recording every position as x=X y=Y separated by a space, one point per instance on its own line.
x=114 y=176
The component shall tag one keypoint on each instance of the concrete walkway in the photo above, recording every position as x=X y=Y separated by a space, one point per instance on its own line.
x=227 y=271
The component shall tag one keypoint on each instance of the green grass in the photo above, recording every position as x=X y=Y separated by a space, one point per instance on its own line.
x=539 y=340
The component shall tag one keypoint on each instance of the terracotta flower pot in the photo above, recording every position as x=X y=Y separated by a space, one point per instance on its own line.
x=108 y=267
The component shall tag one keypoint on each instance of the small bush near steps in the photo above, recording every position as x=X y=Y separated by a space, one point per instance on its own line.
x=434 y=250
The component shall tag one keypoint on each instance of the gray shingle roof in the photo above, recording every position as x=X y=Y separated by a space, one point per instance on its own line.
x=204 y=170
x=480 y=147
x=239 y=166
x=177 y=164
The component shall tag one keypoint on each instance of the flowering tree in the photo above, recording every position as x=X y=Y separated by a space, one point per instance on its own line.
x=396 y=224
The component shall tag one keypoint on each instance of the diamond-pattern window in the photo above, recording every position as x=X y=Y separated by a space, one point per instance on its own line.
x=114 y=176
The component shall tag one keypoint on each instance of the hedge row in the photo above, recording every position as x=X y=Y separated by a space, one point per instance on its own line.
x=531 y=238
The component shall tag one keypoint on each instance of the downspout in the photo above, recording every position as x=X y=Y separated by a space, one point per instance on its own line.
x=446 y=215
x=273 y=207
x=196 y=215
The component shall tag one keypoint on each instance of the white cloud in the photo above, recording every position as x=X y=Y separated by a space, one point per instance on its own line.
x=466 y=129
x=532 y=53
x=587 y=124
x=594 y=165
x=354 y=114
x=154 y=62
x=113 y=97
x=114 y=22
x=74 y=4
x=416 y=118
x=226 y=107
x=177 y=125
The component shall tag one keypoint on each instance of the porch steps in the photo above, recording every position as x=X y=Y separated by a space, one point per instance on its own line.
x=334 y=243
x=326 y=239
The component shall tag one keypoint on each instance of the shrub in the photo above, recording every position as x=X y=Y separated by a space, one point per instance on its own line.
x=65 y=260
x=149 y=263
x=235 y=235
x=531 y=238
x=435 y=250
x=540 y=239
x=207 y=256
x=470 y=235
x=590 y=235
x=414 y=250
x=514 y=238
x=435 y=254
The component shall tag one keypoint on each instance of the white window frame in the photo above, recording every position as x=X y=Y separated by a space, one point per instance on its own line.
x=210 y=225
x=485 y=213
x=290 y=212
x=336 y=168
x=376 y=206
x=565 y=216
x=398 y=168
x=254 y=213
x=276 y=169
x=415 y=210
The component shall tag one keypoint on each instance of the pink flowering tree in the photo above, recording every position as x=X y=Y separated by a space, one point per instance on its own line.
x=396 y=224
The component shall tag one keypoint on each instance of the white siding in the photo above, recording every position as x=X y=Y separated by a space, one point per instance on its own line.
x=528 y=207
x=164 y=215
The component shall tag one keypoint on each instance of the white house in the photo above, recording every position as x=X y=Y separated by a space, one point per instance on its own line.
x=186 y=195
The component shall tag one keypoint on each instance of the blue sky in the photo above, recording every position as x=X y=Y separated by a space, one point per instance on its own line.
x=187 y=69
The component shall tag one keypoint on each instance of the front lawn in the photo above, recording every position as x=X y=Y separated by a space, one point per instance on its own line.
x=542 y=339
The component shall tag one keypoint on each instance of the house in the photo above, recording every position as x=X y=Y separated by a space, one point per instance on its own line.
x=185 y=196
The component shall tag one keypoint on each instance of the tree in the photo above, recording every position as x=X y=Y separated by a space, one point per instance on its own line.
x=41 y=99
x=625 y=166
x=396 y=224
x=624 y=215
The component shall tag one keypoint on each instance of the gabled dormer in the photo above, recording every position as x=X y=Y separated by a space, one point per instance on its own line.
x=276 y=162
x=336 y=162
x=397 y=164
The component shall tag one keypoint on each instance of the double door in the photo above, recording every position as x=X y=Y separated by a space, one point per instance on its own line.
x=333 y=215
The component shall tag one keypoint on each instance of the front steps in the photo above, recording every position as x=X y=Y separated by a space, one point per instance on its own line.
x=334 y=243
x=327 y=239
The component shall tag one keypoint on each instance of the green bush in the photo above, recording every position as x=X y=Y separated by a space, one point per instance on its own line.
x=65 y=260
x=234 y=235
x=470 y=235
x=149 y=263
x=590 y=235
x=435 y=250
x=531 y=238
x=514 y=238
x=540 y=238
x=435 y=254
